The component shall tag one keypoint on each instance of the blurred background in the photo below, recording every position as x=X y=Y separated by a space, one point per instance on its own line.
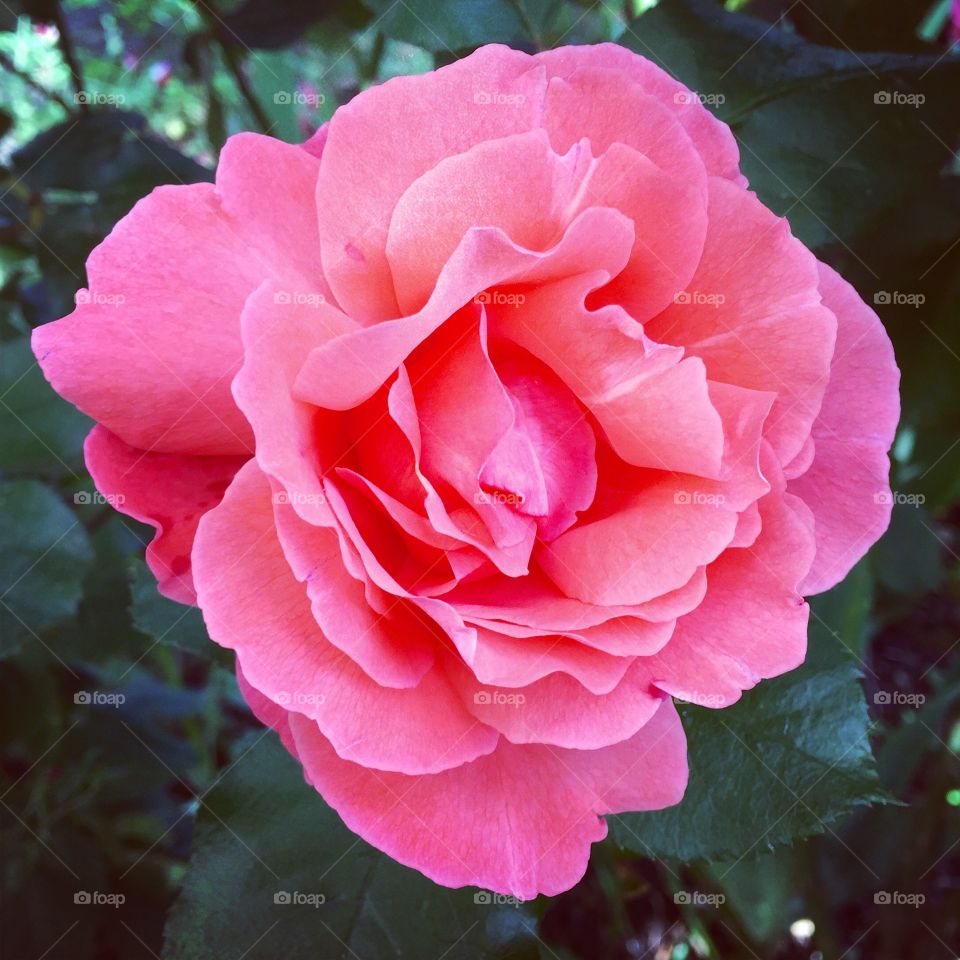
x=120 y=717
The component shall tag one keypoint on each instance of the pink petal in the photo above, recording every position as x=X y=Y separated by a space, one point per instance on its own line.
x=464 y=412
x=618 y=636
x=341 y=609
x=711 y=137
x=347 y=371
x=592 y=103
x=536 y=602
x=669 y=213
x=153 y=345
x=519 y=821
x=502 y=660
x=653 y=545
x=752 y=311
x=653 y=405
x=480 y=187
x=752 y=623
x=168 y=491
x=267 y=712
x=558 y=710
x=252 y=603
x=462 y=524
x=553 y=427
x=371 y=157
x=280 y=328
x=847 y=486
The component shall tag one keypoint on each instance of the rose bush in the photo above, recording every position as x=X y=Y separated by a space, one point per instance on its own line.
x=480 y=426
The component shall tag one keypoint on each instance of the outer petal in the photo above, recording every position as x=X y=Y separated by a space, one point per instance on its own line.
x=153 y=344
x=342 y=611
x=711 y=137
x=500 y=659
x=270 y=714
x=481 y=187
x=371 y=157
x=592 y=102
x=280 y=328
x=252 y=603
x=536 y=602
x=847 y=486
x=560 y=711
x=752 y=312
x=168 y=491
x=519 y=821
x=752 y=623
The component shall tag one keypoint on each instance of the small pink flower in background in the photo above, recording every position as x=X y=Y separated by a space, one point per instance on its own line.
x=481 y=426
x=160 y=72
x=955 y=21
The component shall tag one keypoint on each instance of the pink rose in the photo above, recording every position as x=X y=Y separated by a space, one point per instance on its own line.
x=530 y=417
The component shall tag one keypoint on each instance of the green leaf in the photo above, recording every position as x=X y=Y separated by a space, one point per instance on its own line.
x=44 y=555
x=101 y=637
x=831 y=138
x=38 y=430
x=786 y=761
x=168 y=622
x=267 y=834
x=436 y=25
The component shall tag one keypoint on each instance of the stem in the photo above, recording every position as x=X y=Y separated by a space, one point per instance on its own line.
x=234 y=65
x=69 y=55
x=528 y=24
x=243 y=85
x=376 y=56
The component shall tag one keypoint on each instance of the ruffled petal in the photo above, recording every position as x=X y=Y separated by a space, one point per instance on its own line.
x=166 y=490
x=847 y=485
x=154 y=343
x=518 y=821
x=253 y=604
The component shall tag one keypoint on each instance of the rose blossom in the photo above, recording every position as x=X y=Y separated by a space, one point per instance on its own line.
x=480 y=426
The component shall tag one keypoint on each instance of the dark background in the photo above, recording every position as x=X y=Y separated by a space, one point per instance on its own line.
x=123 y=728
